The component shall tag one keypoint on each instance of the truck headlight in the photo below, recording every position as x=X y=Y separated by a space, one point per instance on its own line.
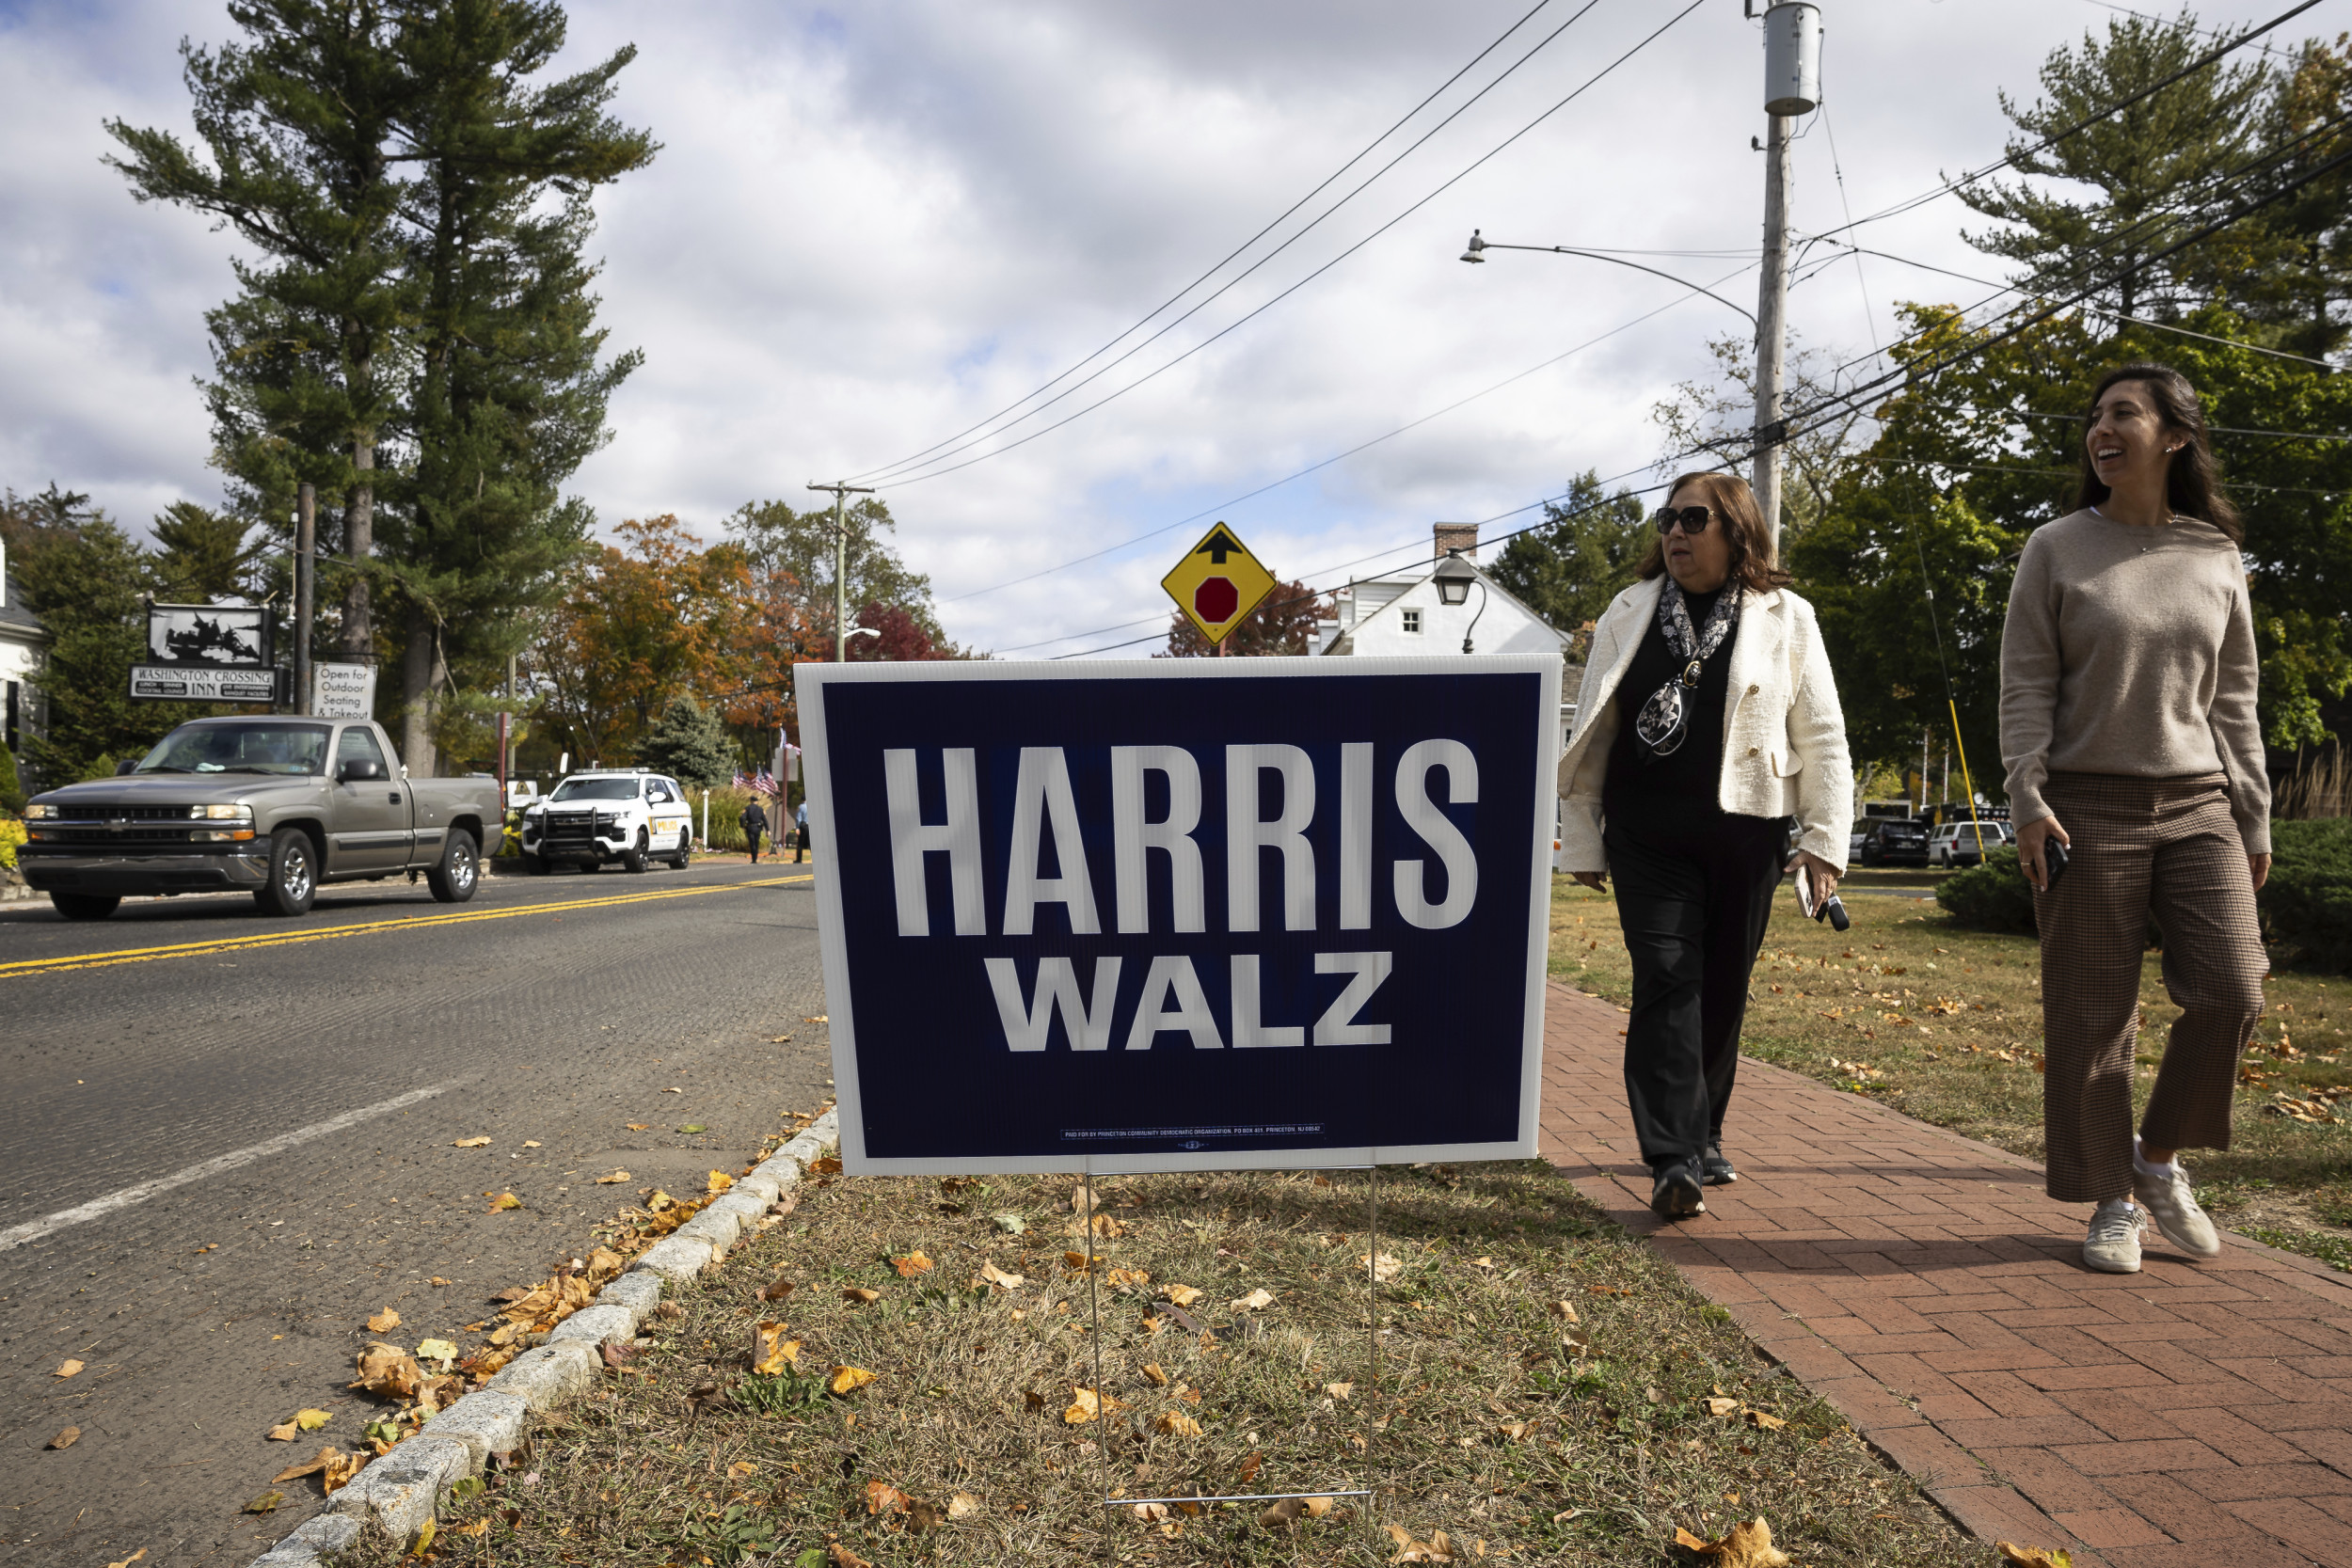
x=39 y=812
x=222 y=814
x=220 y=836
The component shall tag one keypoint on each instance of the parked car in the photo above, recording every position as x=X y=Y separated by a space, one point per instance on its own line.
x=1894 y=841
x=276 y=807
x=591 y=819
x=1956 y=843
x=1853 y=845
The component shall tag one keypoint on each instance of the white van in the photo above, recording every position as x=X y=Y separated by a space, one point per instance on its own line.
x=1955 y=843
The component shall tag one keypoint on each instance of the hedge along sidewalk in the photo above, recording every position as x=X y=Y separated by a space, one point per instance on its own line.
x=401 y=1490
x=1918 y=1280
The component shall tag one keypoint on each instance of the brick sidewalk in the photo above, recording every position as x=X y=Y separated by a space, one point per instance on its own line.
x=2190 y=1413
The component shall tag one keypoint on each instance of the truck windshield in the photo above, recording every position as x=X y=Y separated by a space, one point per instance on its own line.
x=296 y=749
x=596 y=789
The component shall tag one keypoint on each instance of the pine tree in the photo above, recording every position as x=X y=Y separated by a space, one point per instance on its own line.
x=691 y=744
x=1567 y=571
x=508 y=395
x=2153 y=165
x=298 y=122
x=203 y=554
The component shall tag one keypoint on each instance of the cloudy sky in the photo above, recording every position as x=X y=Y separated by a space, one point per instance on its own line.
x=872 y=228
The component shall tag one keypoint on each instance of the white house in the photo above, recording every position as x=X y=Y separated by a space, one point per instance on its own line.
x=1407 y=613
x=21 y=643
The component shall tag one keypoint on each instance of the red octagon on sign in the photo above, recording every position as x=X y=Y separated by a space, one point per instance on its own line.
x=1215 y=600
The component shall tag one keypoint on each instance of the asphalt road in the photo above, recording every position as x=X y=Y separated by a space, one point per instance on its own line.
x=194 y=1035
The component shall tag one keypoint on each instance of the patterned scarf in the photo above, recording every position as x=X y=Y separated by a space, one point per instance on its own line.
x=1660 y=726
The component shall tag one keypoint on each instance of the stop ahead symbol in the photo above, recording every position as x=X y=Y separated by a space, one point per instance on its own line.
x=1215 y=600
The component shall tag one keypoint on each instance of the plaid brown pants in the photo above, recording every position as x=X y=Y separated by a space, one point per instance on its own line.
x=2142 y=848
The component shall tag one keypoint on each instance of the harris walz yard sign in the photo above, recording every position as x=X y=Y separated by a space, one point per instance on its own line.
x=1167 y=915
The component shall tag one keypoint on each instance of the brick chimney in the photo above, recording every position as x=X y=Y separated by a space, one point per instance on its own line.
x=1456 y=536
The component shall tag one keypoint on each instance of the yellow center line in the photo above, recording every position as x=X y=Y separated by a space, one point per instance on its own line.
x=328 y=933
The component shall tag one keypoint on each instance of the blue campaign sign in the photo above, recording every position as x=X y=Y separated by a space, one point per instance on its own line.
x=1183 y=914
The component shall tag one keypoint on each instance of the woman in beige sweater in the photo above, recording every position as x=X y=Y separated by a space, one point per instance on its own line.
x=2128 y=678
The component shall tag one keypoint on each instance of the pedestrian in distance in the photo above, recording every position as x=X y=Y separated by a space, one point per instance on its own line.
x=800 y=833
x=2136 y=774
x=755 y=823
x=1706 y=721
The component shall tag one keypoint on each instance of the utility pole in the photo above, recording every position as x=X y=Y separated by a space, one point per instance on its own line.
x=1792 y=86
x=841 y=567
x=306 y=573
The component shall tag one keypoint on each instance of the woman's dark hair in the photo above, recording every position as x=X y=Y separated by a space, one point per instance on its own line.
x=2192 y=484
x=1742 y=522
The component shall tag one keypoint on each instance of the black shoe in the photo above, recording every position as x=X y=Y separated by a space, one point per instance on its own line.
x=1676 y=1195
x=1714 y=1169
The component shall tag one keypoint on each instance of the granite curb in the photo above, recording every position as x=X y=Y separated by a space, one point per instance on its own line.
x=402 y=1489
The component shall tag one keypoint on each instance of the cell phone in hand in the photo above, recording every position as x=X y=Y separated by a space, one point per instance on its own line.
x=2052 y=860
x=1829 y=909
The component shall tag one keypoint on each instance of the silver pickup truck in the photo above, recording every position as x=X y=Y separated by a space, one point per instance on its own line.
x=273 y=806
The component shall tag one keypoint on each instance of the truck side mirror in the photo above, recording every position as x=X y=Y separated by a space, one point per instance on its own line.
x=128 y=765
x=352 y=769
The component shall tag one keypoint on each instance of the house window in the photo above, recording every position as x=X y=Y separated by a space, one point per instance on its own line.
x=1412 y=621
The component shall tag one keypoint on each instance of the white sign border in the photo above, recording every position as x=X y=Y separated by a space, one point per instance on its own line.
x=809 y=681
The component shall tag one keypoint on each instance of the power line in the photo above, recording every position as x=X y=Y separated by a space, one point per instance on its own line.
x=1312 y=468
x=1949 y=186
x=928 y=452
x=2216 y=429
x=1318 y=272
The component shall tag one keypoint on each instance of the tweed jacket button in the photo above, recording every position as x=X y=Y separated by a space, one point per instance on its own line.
x=1752 y=750
x=1754 y=689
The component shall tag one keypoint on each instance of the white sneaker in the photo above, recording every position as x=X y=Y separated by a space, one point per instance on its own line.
x=2113 y=1244
x=2174 y=1207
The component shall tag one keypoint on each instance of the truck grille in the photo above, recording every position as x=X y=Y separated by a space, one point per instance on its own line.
x=81 y=811
x=575 y=830
x=73 y=832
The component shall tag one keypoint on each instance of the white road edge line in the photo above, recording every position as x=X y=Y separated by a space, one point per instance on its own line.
x=32 y=1230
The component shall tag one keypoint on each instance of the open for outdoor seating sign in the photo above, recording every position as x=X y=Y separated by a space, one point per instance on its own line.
x=1183 y=914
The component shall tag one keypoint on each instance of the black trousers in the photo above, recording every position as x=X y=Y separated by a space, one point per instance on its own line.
x=753 y=836
x=1694 y=908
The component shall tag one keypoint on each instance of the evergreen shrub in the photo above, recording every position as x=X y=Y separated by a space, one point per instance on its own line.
x=1994 y=897
x=2307 y=904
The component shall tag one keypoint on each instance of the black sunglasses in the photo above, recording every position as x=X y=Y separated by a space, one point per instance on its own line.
x=1693 y=518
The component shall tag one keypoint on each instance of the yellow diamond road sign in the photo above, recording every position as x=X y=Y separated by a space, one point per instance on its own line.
x=1218 y=583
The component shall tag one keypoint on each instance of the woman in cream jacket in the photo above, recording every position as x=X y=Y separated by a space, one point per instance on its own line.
x=1706 y=721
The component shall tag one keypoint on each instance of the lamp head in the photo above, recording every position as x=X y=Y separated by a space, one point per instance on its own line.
x=1453 y=578
x=1477 y=249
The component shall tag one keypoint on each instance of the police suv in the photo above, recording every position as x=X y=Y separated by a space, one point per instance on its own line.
x=590 y=818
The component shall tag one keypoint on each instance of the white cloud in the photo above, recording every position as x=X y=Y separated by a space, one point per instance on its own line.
x=871 y=226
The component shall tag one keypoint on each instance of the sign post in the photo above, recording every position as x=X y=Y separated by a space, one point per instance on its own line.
x=1218 y=584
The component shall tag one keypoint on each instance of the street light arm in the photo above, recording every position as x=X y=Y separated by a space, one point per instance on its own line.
x=1597 y=256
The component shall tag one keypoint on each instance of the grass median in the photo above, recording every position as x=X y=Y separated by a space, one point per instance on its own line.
x=1945 y=1023
x=905 y=1371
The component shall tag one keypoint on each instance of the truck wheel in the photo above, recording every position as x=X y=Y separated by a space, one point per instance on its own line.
x=685 y=850
x=535 y=865
x=459 y=872
x=294 y=879
x=634 y=857
x=84 y=906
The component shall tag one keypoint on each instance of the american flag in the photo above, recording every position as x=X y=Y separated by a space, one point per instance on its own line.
x=740 y=782
x=766 y=783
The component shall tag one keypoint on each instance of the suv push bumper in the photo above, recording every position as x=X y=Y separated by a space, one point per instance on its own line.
x=142 y=874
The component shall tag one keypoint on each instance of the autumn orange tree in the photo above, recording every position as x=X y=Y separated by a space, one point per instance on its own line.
x=637 y=624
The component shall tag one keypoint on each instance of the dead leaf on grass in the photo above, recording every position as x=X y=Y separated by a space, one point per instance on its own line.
x=858 y=1295
x=1151 y=1513
x=1720 y=1406
x=383 y=1322
x=771 y=1351
x=1075 y=1262
x=845 y=1379
x=1255 y=1300
x=1128 y=1279
x=777 y=1289
x=827 y=1165
x=1172 y=1425
x=1436 y=1549
x=1153 y=1375
x=963 y=1506
x=1183 y=1295
x=471 y=1143
x=881 y=1496
x=990 y=1274
x=844 y=1558
x=1748 y=1544
x=1339 y=1390
x=1086 y=1403
x=1566 y=1311
x=1764 y=1423
x=1282 y=1513
x=67 y=1438
x=1384 y=1268
x=913 y=1263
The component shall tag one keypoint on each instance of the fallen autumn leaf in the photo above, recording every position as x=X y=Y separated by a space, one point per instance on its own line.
x=1748 y=1544
x=383 y=1322
x=67 y=1438
x=847 y=1378
x=471 y=1143
x=68 y=1369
